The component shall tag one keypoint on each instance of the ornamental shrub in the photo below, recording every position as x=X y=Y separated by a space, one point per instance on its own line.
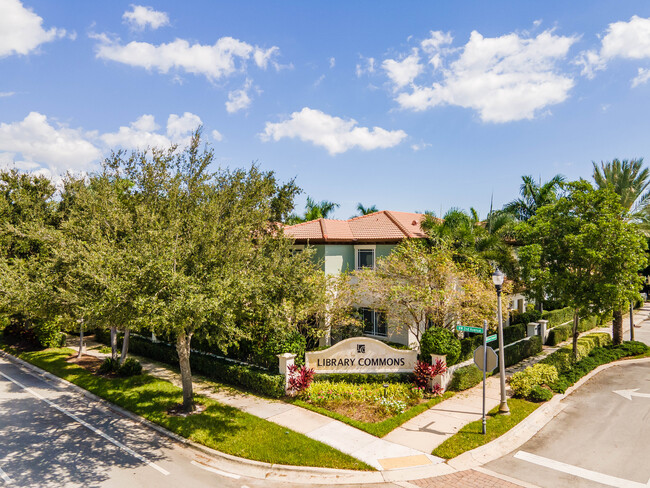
x=131 y=367
x=300 y=378
x=539 y=374
x=437 y=340
x=108 y=366
x=526 y=317
x=465 y=377
x=424 y=372
x=539 y=394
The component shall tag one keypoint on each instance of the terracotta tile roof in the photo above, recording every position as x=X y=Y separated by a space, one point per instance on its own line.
x=379 y=226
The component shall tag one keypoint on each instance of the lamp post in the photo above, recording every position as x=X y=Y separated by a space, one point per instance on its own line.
x=497 y=279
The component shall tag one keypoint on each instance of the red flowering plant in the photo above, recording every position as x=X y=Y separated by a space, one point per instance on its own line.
x=300 y=378
x=424 y=372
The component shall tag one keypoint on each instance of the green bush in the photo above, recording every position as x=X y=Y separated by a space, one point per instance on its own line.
x=437 y=340
x=363 y=378
x=525 y=318
x=523 y=382
x=227 y=371
x=519 y=351
x=465 y=378
x=468 y=345
x=130 y=367
x=598 y=356
x=514 y=333
x=109 y=365
x=562 y=359
x=558 y=317
x=539 y=394
x=559 y=334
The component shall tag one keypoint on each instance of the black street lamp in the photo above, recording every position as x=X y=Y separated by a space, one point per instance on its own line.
x=497 y=279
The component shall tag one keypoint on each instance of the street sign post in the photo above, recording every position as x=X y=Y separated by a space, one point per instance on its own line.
x=468 y=328
x=485 y=358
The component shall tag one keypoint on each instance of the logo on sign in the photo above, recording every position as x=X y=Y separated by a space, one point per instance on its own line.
x=361 y=348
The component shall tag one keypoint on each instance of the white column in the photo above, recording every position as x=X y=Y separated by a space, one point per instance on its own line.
x=286 y=360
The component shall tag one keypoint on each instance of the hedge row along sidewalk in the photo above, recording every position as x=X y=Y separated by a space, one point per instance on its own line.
x=219 y=426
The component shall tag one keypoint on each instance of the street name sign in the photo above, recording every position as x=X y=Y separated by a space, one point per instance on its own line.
x=491 y=361
x=491 y=338
x=468 y=328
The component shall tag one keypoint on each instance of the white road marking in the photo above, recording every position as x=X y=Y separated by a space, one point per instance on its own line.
x=587 y=474
x=88 y=426
x=630 y=393
x=5 y=477
x=216 y=471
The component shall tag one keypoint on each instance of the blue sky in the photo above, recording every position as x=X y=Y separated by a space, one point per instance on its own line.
x=409 y=106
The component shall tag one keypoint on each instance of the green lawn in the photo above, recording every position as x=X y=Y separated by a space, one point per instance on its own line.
x=220 y=427
x=379 y=429
x=470 y=436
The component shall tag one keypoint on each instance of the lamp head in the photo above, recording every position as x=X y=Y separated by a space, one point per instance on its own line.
x=497 y=278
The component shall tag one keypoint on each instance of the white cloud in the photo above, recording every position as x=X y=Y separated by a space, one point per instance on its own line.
x=420 y=146
x=21 y=30
x=239 y=99
x=216 y=135
x=319 y=80
x=141 y=17
x=226 y=57
x=333 y=133
x=642 y=77
x=332 y=62
x=142 y=133
x=403 y=72
x=367 y=65
x=435 y=48
x=625 y=40
x=46 y=146
x=503 y=78
x=7 y=94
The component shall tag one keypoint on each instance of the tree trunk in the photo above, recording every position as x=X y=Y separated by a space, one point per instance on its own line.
x=617 y=326
x=114 y=343
x=576 y=318
x=125 y=345
x=183 y=349
x=81 y=339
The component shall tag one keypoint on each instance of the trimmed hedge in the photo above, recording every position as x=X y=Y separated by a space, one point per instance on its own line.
x=465 y=378
x=598 y=356
x=558 y=317
x=361 y=378
x=514 y=333
x=525 y=317
x=565 y=332
x=246 y=377
x=562 y=359
x=521 y=350
x=467 y=346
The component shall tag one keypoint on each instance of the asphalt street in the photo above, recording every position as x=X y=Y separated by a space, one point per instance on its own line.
x=600 y=439
x=51 y=436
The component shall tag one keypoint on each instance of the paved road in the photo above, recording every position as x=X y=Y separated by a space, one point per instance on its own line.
x=600 y=439
x=54 y=437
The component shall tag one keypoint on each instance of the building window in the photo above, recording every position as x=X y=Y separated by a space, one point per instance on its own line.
x=364 y=257
x=297 y=249
x=374 y=322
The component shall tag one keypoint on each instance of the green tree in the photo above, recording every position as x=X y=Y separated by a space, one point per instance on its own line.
x=629 y=180
x=366 y=210
x=534 y=196
x=313 y=211
x=580 y=250
x=209 y=240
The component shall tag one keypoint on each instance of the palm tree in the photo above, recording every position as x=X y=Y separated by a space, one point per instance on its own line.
x=533 y=196
x=366 y=210
x=313 y=211
x=629 y=180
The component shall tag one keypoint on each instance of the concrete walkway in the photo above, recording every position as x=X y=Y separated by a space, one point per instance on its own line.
x=408 y=446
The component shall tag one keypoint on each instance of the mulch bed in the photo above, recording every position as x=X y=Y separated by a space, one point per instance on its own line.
x=177 y=410
x=90 y=363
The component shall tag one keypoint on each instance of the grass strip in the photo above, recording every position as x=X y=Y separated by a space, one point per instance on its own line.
x=219 y=426
x=378 y=429
x=471 y=437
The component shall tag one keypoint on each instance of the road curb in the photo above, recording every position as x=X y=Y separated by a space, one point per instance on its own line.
x=212 y=457
x=527 y=428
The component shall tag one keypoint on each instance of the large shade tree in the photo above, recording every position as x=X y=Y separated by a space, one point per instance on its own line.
x=629 y=180
x=580 y=249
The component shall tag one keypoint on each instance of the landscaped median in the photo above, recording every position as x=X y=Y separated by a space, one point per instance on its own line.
x=555 y=373
x=220 y=427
